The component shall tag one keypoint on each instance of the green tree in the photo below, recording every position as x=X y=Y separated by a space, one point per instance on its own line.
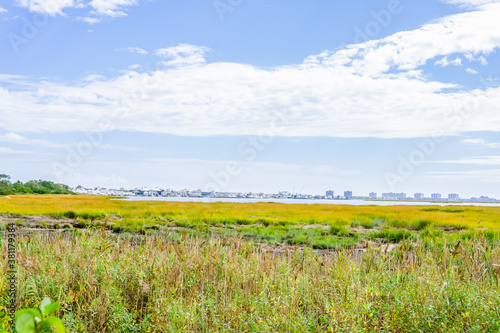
x=5 y=185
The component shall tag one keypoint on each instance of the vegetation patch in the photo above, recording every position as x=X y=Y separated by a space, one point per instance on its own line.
x=392 y=236
x=171 y=283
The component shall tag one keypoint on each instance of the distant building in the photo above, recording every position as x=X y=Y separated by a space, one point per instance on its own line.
x=419 y=196
x=348 y=194
x=394 y=196
x=436 y=196
x=453 y=196
x=329 y=193
x=373 y=195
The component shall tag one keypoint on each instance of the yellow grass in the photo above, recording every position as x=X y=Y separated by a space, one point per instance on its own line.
x=247 y=213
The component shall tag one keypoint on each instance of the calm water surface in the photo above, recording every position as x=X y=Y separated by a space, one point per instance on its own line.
x=354 y=202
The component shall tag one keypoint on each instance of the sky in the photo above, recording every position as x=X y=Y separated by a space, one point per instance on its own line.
x=260 y=96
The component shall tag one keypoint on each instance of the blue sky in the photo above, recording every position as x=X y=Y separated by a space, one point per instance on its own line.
x=257 y=96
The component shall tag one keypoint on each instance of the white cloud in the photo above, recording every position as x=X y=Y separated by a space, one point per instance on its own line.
x=372 y=89
x=486 y=176
x=50 y=7
x=445 y=62
x=89 y=20
x=470 y=3
x=474 y=141
x=99 y=8
x=235 y=99
x=183 y=54
x=111 y=8
x=481 y=142
x=471 y=71
x=475 y=32
x=482 y=160
x=9 y=151
x=3 y=10
x=18 y=139
x=481 y=59
x=96 y=179
x=94 y=77
x=137 y=50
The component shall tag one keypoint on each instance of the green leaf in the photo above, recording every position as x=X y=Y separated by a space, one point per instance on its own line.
x=34 y=313
x=45 y=302
x=25 y=323
x=52 y=307
x=52 y=324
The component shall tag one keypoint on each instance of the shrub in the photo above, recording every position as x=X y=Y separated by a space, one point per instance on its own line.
x=366 y=223
x=81 y=225
x=117 y=229
x=70 y=215
x=398 y=224
x=392 y=236
x=339 y=231
x=265 y=222
x=432 y=233
x=34 y=320
x=420 y=225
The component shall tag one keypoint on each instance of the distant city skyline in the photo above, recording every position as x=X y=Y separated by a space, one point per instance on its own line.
x=329 y=194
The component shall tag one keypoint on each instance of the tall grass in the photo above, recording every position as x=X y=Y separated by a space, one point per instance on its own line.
x=217 y=214
x=153 y=284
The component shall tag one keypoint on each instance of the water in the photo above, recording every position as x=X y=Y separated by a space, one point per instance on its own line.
x=354 y=202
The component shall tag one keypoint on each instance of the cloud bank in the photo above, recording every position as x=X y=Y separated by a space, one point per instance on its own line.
x=96 y=9
x=372 y=89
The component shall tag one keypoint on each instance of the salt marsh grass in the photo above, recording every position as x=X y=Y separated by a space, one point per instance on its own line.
x=109 y=283
x=123 y=266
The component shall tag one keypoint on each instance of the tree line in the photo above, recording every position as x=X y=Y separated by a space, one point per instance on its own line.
x=31 y=187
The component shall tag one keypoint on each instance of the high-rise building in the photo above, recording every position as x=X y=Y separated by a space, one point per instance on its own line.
x=348 y=194
x=394 y=196
x=329 y=193
x=419 y=196
x=373 y=195
x=436 y=196
x=453 y=196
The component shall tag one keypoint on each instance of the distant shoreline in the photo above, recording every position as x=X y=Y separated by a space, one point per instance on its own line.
x=353 y=202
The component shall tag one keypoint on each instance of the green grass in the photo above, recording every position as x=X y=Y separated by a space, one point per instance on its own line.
x=172 y=283
x=261 y=267
x=392 y=236
x=368 y=217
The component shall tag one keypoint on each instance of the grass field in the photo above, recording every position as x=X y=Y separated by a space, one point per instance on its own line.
x=224 y=267
x=320 y=226
x=90 y=207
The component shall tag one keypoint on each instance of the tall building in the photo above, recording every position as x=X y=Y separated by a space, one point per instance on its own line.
x=348 y=194
x=453 y=196
x=436 y=196
x=394 y=196
x=419 y=196
x=329 y=193
x=373 y=195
